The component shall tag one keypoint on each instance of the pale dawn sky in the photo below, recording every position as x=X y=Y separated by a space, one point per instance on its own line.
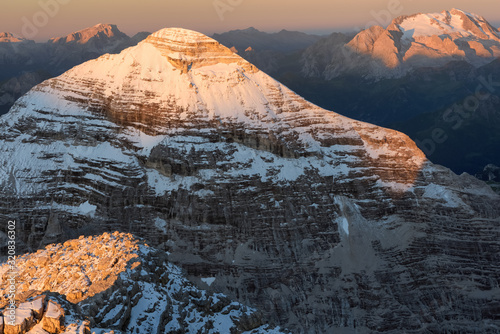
x=42 y=19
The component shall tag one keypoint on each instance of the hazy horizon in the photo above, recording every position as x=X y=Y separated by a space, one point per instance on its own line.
x=43 y=19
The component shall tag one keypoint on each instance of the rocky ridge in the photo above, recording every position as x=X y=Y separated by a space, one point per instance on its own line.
x=115 y=282
x=92 y=35
x=40 y=315
x=319 y=221
x=7 y=37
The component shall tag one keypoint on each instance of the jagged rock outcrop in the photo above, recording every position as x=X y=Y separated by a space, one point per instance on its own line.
x=39 y=315
x=126 y=287
x=319 y=221
x=24 y=320
x=53 y=319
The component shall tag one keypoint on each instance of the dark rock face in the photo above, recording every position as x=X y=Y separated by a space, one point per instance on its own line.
x=319 y=221
x=251 y=38
x=491 y=175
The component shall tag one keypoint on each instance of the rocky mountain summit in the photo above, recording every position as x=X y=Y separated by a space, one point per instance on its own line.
x=86 y=44
x=320 y=222
x=7 y=37
x=100 y=32
x=412 y=42
x=117 y=283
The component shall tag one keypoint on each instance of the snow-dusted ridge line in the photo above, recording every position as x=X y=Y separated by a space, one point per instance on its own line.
x=182 y=36
x=104 y=270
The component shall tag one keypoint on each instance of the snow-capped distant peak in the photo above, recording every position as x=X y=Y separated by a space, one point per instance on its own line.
x=426 y=40
x=99 y=31
x=455 y=22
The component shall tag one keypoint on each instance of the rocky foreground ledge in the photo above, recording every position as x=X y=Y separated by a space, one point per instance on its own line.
x=115 y=283
x=40 y=314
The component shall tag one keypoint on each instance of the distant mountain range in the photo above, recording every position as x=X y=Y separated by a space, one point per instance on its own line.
x=283 y=41
x=24 y=63
x=405 y=76
x=99 y=35
x=268 y=51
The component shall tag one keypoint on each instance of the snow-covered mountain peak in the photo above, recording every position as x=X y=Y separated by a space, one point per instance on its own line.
x=455 y=22
x=186 y=49
x=171 y=84
x=182 y=36
x=180 y=78
x=457 y=11
x=421 y=40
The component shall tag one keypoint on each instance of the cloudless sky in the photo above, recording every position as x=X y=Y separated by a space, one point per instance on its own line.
x=42 y=19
